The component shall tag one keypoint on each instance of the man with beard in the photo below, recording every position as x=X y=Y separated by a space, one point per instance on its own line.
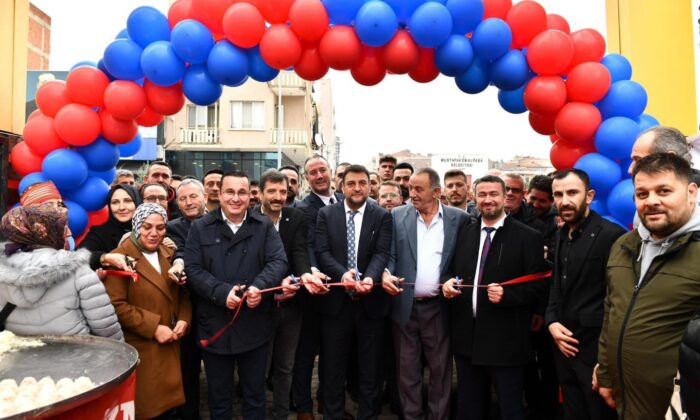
x=490 y=325
x=575 y=311
x=387 y=163
x=652 y=290
x=374 y=183
x=541 y=200
x=402 y=174
x=254 y=193
x=212 y=187
x=160 y=173
x=292 y=175
x=339 y=172
x=389 y=195
x=456 y=189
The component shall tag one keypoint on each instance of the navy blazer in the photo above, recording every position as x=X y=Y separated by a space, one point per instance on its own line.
x=310 y=205
x=372 y=255
x=216 y=260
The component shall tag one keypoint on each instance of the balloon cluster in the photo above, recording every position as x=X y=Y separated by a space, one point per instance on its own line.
x=575 y=94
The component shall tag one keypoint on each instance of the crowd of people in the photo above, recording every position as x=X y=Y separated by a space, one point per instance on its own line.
x=546 y=309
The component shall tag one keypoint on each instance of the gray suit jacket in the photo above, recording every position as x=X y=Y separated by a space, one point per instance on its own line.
x=404 y=253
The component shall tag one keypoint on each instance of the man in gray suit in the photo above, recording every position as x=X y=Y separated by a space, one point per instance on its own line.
x=422 y=249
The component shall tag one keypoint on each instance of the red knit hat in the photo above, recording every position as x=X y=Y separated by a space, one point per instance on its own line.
x=39 y=193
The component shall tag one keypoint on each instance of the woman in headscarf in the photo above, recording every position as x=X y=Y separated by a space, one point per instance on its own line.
x=53 y=290
x=101 y=240
x=155 y=313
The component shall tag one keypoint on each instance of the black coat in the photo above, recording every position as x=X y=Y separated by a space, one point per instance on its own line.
x=500 y=333
x=310 y=205
x=177 y=230
x=374 y=250
x=579 y=305
x=216 y=260
x=293 y=232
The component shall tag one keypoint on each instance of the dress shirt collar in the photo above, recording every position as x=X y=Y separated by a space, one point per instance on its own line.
x=235 y=226
x=497 y=225
x=439 y=215
x=360 y=211
x=326 y=200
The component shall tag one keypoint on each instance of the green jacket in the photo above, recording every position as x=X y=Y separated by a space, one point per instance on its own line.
x=643 y=325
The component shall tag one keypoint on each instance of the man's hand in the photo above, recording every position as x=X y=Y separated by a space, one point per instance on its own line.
x=608 y=396
x=594 y=380
x=117 y=261
x=232 y=300
x=390 y=284
x=495 y=293
x=289 y=289
x=169 y=243
x=180 y=329
x=348 y=280
x=164 y=335
x=449 y=290
x=537 y=323
x=564 y=339
x=314 y=283
x=177 y=273
x=254 y=297
x=364 y=286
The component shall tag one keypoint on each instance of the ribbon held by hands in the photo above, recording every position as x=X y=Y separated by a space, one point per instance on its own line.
x=133 y=274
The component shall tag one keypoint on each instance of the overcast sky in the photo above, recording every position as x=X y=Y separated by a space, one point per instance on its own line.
x=396 y=114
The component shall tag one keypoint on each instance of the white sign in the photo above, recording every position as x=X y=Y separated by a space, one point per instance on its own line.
x=474 y=165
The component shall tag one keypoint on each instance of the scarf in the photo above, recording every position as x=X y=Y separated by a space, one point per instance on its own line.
x=37 y=226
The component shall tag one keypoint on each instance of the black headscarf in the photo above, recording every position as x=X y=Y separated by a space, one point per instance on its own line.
x=133 y=193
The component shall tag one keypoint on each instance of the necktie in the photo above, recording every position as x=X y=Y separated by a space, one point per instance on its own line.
x=352 y=263
x=331 y=201
x=485 y=252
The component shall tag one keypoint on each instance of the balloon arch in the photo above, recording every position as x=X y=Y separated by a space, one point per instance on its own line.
x=581 y=98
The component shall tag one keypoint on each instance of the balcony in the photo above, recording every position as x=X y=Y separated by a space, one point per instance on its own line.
x=200 y=136
x=290 y=137
x=292 y=85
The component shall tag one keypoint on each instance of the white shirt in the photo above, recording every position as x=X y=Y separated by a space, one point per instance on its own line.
x=429 y=242
x=475 y=290
x=152 y=258
x=358 y=223
x=233 y=226
x=326 y=200
x=276 y=223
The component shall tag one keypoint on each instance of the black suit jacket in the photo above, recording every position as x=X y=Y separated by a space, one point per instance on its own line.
x=500 y=333
x=310 y=205
x=373 y=254
x=579 y=305
x=177 y=230
x=293 y=232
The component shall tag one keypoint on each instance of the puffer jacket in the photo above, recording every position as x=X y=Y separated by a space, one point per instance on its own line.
x=56 y=293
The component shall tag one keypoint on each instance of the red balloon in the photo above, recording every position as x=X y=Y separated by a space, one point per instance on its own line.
x=34 y=114
x=550 y=52
x=41 y=136
x=589 y=45
x=149 y=118
x=577 y=122
x=542 y=123
x=244 y=25
x=588 y=82
x=179 y=11
x=211 y=13
x=426 y=70
x=117 y=131
x=555 y=21
x=279 y=47
x=275 y=11
x=553 y=138
x=23 y=160
x=340 y=47
x=311 y=66
x=526 y=19
x=370 y=70
x=308 y=19
x=497 y=8
x=78 y=125
x=124 y=99
x=51 y=97
x=401 y=54
x=98 y=217
x=86 y=85
x=545 y=95
x=564 y=155
x=165 y=100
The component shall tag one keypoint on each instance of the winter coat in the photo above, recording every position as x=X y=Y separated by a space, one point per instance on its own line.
x=56 y=293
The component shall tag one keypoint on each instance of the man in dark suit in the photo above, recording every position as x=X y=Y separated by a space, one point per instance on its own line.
x=575 y=311
x=290 y=224
x=353 y=241
x=490 y=328
x=227 y=250
x=424 y=236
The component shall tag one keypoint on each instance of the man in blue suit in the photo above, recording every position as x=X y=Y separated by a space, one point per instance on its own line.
x=422 y=250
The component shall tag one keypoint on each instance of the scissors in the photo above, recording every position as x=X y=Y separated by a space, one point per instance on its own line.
x=129 y=264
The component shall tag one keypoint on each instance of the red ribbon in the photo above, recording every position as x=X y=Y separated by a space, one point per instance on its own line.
x=134 y=275
x=517 y=280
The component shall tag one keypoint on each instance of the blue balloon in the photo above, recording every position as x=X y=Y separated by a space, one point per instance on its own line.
x=625 y=98
x=161 y=65
x=621 y=202
x=227 y=63
x=199 y=87
x=107 y=176
x=405 y=8
x=342 y=12
x=455 y=56
x=192 y=41
x=430 y=25
x=646 y=121
x=603 y=172
x=132 y=147
x=122 y=59
x=513 y=101
x=491 y=39
x=77 y=218
x=625 y=167
x=619 y=67
x=100 y=155
x=258 y=68
x=376 y=23
x=476 y=79
x=510 y=71
x=466 y=14
x=101 y=66
x=617 y=222
x=615 y=137
x=66 y=168
x=123 y=34
x=91 y=195
x=599 y=204
x=31 y=179
x=83 y=63
x=147 y=25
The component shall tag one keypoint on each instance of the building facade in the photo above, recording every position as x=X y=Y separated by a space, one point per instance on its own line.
x=39 y=45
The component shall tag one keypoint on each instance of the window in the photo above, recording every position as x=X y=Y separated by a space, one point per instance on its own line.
x=201 y=117
x=247 y=115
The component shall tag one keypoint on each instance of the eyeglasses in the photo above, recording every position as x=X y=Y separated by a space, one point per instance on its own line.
x=155 y=198
x=241 y=194
x=514 y=190
x=389 y=195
